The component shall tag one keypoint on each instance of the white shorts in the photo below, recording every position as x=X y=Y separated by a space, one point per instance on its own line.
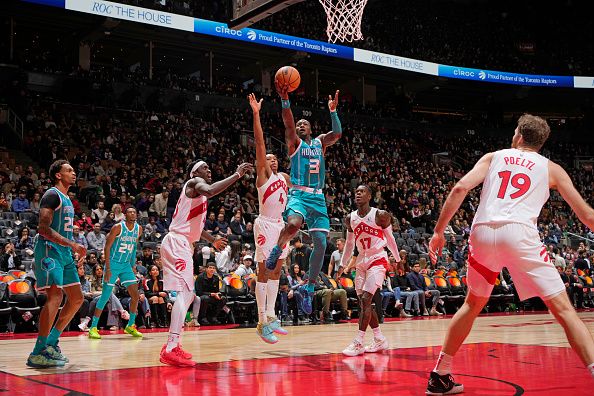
x=370 y=274
x=266 y=232
x=517 y=247
x=178 y=264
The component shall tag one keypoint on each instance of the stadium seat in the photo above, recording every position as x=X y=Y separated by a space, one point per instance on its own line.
x=5 y=309
x=9 y=215
x=28 y=217
x=25 y=311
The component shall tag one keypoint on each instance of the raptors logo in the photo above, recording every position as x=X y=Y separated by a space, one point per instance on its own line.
x=180 y=265
x=261 y=240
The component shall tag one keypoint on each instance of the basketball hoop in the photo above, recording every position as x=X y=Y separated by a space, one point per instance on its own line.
x=344 y=19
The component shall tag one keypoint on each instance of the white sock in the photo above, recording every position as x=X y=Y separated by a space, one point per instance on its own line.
x=196 y=308
x=261 y=301
x=377 y=333
x=444 y=364
x=591 y=368
x=178 y=316
x=360 y=336
x=271 y=294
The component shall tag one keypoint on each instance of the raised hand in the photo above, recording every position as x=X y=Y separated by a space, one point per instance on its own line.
x=282 y=91
x=333 y=102
x=244 y=168
x=254 y=103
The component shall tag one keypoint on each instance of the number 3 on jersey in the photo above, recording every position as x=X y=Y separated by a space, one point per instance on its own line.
x=520 y=181
x=314 y=166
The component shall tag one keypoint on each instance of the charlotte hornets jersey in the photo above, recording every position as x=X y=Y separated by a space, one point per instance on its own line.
x=123 y=250
x=63 y=219
x=308 y=167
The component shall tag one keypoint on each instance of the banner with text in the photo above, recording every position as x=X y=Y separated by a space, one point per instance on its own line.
x=219 y=29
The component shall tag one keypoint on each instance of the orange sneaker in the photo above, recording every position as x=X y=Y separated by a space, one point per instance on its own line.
x=175 y=358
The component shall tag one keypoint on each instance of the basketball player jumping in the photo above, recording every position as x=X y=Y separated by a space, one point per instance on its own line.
x=54 y=266
x=306 y=201
x=272 y=197
x=516 y=185
x=187 y=227
x=120 y=257
x=370 y=229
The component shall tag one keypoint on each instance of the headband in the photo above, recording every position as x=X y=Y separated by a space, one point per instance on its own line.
x=196 y=166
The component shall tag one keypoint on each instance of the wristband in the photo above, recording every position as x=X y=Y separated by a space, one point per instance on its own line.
x=285 y=103
x=239 y=175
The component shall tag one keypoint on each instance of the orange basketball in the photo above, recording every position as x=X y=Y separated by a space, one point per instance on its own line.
x=287 y=77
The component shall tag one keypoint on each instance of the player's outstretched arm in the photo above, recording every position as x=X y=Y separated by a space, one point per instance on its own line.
x=263 y=170
x=291 y=138
x=384 y=220
x=328 y=139
x=560 y=181
x=454 y=200
x=197 y=186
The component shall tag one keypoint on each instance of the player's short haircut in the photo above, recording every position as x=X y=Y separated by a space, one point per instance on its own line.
x=56 y=167
x=534 y=130
x=128 y=208
x=367 y=187
x=211 y=264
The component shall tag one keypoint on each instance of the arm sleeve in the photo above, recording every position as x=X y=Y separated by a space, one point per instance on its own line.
x=336 y=126
x=348 y=249
x=392 y=246
x=50 y=200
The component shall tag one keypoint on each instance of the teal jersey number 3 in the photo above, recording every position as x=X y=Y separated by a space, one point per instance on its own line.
x=308 y=167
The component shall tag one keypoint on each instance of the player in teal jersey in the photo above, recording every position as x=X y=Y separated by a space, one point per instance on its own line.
x=55 y=269
x=120 y=257
x=306 y=200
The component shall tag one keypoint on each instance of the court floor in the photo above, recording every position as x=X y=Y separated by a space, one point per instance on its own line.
x=508 y=354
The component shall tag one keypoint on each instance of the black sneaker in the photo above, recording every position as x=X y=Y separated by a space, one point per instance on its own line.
x=443 y=385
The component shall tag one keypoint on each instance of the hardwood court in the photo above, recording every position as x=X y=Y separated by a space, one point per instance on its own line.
x=511 y=354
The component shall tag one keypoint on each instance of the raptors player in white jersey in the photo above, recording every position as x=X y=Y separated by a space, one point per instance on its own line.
x=187 y=227
x=272 y=196
x=370 y=229
x=516 y=185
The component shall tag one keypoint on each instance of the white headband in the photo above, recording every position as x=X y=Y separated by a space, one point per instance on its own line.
x=198 y=165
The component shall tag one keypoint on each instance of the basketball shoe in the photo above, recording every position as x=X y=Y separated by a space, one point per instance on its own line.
x=443 y=385
x=175 y=358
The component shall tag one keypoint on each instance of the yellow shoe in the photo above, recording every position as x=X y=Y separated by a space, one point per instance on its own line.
x=132 y=331
x=94 y=333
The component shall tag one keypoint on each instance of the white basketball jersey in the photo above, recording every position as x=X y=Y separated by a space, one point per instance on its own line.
x=369 y=237
x=189 y=216
x=515 y=189
x=273 y=196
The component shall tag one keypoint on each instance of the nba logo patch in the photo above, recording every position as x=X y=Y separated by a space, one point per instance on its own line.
x=261 y=240
x=180 y=265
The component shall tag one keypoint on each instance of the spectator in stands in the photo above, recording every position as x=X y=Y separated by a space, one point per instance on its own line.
x=108 y=222
x=21 y=203
x=300 y=254
x=245 y=268
x=237 y=225
x=417 y=285
x=114 y=308
x=84 y=223
x=211 y=223
x=9 y=259
x=226 y=259
x=118 y=214
x=160 y=204
x=141 y=269
x=157 y=297
x=459 y=255
x=248 y=234
x=558 y=259
x=75 y=203
x=34 y=204
x=335 y=258
x=85 y=286
x=150 y=230
x=147 y=257
x=575 y=288
x=296 y=279
x=4 y=204
x=99 y=214
x=327 y=294
x=582 y=263
x=79 y=237
x=222 y=227
x=411 y=302
x=421 y=247
x=211 y=299
x=95 y=239
x=24 y=239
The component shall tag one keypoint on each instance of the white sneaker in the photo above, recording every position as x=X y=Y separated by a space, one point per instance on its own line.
x=83 y=326
x=378 y=344
x=354 y=349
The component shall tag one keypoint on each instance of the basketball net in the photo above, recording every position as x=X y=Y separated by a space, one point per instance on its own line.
x=344 y=19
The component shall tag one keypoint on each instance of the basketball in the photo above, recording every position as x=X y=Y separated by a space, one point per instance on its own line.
x=287 y=76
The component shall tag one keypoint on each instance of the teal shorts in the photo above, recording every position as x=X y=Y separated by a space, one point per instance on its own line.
x=54 y=266
x=312 y=207
x=122 y=271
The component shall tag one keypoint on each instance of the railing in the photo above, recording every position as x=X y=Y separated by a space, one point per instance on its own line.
x=16 y=124
x=572 y=236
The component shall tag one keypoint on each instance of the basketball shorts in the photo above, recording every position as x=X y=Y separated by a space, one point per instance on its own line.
x=123 y=271
x=517 y=247
x=54 y=265
x=178 y=264
x=266 y=232
x=370 y=274
x=312 y=207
